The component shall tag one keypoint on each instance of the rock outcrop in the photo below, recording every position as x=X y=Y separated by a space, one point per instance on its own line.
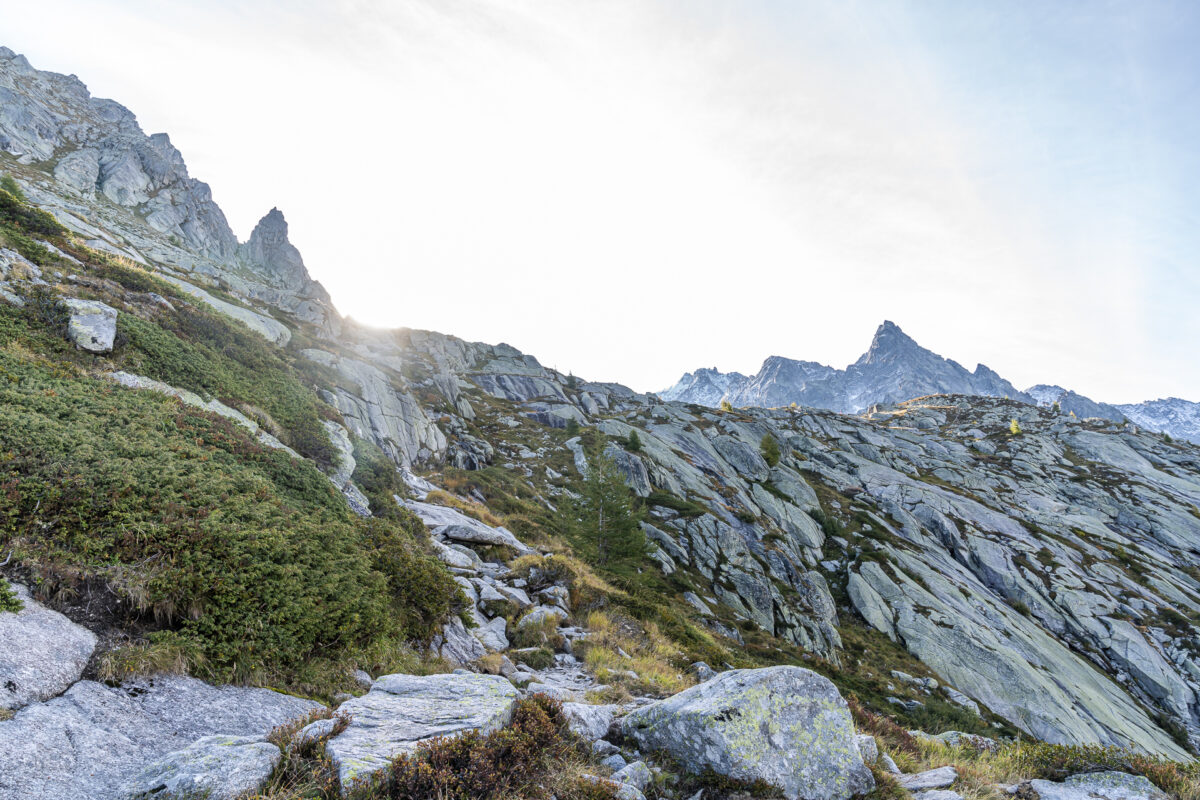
x=401 y=711
x=92 y=740
x=786 y=726
x=42 y=653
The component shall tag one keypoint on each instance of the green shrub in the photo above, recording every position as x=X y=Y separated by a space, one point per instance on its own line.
x=9 y=184
x=726 y=405
x=534 y=658
x=667 y=500
x=197 y=349
x=8 y=598
x=602 y=522
x=770 y=449
x=634 y=442
x=240 y=552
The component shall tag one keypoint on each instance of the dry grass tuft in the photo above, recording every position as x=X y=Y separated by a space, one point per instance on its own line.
x=471 y=509
x=632 y=655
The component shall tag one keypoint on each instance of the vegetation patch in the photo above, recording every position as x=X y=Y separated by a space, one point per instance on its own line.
x=535 y=757
x=247 y=561
x=8 y=598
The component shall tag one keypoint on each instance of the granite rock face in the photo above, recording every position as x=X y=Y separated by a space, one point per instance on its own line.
x=131 y=195
x=41 y=652
x=783 y=725
x=213 y=767
x=1099 y=786
x=92 y=740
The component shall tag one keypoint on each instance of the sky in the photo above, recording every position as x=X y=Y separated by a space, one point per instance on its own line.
x=631 y=189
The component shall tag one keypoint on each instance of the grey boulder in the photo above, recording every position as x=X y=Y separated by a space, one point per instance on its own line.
x=636 y=774
x=786 y=726
x=587 y=721
x=1099 y=786
x=938 y=778
x=214 y=767
x=41 y=652
x=92 y=325
x=401 y=711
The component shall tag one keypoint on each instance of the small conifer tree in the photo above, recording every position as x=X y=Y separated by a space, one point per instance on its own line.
x=634 y=443
x=1014 y=427
x=770 y=449
x=602 y=521
x=726 y=405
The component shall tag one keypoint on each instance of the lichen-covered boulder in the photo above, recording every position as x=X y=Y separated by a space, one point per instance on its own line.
x=1102 y=785
x=401 y=711
x=214 y=767
x=92 y=325
x=786 y=726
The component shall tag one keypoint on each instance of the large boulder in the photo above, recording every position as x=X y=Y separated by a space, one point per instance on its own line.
x=401 y=711
x=214 y=767
x=41 y=652
x=786 y=726
x=1099 y=786
x=92 y=740
x=92 y=325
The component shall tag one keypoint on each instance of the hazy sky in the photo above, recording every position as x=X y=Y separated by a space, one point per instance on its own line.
x=633 y=188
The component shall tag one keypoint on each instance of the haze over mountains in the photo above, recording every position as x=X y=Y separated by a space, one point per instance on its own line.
x=894 y=369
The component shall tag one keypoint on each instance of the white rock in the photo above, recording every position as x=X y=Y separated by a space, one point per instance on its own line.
x=92 y=326
x=216 y=767
x=41 y=652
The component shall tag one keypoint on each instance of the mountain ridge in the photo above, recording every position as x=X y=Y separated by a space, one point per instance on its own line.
x=895 y=368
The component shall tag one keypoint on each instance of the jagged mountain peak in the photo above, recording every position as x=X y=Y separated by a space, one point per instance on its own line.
x=270 y=248
x=894 y=368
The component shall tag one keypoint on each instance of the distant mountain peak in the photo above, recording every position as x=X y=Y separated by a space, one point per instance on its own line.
x=893 y=369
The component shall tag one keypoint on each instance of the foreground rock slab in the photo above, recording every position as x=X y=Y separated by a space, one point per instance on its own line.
x=401 y=711
x=929 y=779
x=214 y=767
x=783 y=725
x=1099 y=785
x=93 y=739
x=41 y=652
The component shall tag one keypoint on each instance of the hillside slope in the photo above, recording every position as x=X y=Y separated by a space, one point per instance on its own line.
x=200 y=459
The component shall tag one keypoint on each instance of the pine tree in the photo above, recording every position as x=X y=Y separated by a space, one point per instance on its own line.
x=602 y=522
x=572 y=428
x=1014 y=427
x=770 y=449
x=634 y=443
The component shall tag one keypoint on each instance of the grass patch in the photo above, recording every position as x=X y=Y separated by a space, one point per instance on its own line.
x=616 y=647
x=685 y=508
